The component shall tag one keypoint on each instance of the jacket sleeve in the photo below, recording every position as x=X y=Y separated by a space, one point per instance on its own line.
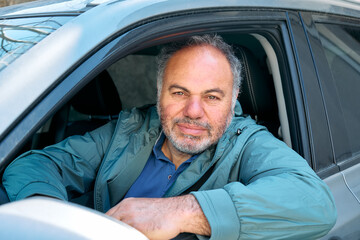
x=61 y=170
x=278 y=196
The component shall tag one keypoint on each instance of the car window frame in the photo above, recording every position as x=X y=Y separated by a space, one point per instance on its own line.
x=340 y=140
x=319 y=145
x=158 y=32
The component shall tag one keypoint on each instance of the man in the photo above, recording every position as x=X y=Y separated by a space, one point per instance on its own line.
x=143 y=169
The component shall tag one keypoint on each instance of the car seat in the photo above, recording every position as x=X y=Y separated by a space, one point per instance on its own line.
x=97 y=103
x=257 y=93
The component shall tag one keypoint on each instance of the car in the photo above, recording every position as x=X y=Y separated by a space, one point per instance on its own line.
x=67 y=67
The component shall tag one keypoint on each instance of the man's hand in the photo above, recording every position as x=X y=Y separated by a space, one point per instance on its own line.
x=162 y=218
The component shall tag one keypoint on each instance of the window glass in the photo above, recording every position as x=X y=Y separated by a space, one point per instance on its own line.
x=18 y=35
x=342 y=50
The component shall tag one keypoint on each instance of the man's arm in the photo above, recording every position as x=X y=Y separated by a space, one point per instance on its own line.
x=162 y=218
x=67 y=166
x=277 y=196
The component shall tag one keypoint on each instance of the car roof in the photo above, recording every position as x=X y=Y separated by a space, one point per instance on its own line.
x=341 y=7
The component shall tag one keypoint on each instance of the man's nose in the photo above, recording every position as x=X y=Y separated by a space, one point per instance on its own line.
x=194 y=108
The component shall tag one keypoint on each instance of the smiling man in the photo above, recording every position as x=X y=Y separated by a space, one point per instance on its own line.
x=194 y=164
x=195 y=106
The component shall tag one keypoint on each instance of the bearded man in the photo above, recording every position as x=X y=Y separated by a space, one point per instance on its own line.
x=142 y=169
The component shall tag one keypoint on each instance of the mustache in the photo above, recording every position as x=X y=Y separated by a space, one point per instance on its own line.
x=193 y=122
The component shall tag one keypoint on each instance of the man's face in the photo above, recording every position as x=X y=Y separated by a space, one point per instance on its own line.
x=195 y=100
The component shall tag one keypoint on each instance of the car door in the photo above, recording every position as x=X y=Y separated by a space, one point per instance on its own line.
x=335 y=44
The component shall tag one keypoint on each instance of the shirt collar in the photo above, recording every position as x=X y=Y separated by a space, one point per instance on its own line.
x=159 y=153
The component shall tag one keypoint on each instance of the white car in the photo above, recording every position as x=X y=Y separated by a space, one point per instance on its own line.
x=301 y=80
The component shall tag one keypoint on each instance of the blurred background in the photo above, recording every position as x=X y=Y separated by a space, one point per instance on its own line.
x=4 y=3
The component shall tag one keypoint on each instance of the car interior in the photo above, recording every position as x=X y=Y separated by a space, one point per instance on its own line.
x=131 y=82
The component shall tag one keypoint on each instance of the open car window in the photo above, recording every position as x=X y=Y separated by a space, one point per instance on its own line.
x=131 y=82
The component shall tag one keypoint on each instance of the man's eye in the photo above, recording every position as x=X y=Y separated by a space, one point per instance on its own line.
x=213 y=97
x=178 y=93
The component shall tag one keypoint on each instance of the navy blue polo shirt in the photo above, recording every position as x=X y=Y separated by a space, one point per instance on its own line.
x=158 y=174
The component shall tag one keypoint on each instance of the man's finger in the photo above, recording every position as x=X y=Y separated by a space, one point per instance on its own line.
x=112 y=212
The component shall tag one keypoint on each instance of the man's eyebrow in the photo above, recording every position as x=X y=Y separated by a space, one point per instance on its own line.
x=218 y=90
x=178 y=86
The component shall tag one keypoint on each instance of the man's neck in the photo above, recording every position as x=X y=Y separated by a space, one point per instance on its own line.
x=175 y=156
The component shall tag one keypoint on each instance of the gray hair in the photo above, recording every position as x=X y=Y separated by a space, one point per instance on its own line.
x=212 y=40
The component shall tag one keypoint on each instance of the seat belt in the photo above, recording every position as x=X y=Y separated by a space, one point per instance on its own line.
x=200 y=182
x=245 y=133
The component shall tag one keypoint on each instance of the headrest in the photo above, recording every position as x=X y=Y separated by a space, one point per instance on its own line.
x=99 y=97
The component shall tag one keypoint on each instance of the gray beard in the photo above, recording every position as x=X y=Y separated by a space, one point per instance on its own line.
x=201 y=144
